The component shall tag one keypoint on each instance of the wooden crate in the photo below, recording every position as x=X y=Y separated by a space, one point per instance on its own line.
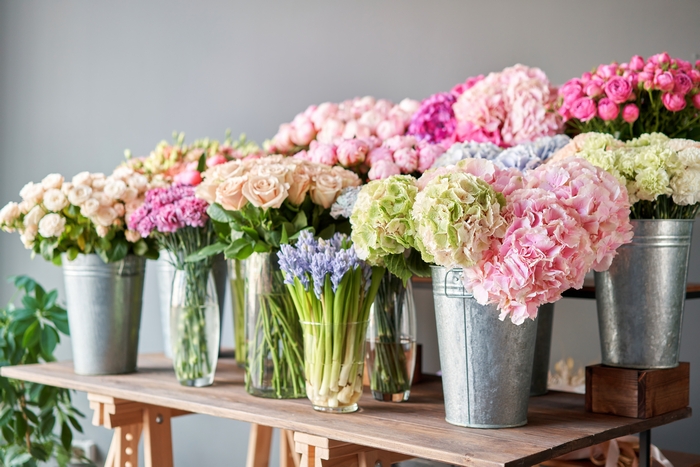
x=637 y=393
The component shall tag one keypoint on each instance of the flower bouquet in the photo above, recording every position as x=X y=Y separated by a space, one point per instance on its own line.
x=332 y=291
x=177 y=220
x=661 y=94
x=256 y=207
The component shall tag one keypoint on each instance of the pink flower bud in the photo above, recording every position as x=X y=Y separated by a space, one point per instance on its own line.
x=694 y=76
x=593 y=89
x=282 y=141
x=188 y=177
x=607 y=109
x=216 y=160
x=664 y=81
x=352 y=152
x=353 y=129
x=630 y=113
x=696 y=101
x=391 y=127
x=661 y=59
x=586 y=77
x=637 y=63
x=583 y=109
x=571 y=90
x=607 y=71
x=379 y=154
x=673 y=102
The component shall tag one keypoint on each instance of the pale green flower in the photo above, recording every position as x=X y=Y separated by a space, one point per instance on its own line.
x=648 y=139
x=456 y=217
x=652 y=182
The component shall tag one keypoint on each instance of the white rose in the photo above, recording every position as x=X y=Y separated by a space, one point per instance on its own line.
x=102 y=231
x=115 y=188
x=34 y=216
x=26 y=206
x=55 y=200
x=132 y=236
x=52 y=181
x=102 y=198
x=138 y=181
x=79 y=194
x=83 y=178
x=66 y=188
x=90 y=207
x=52 y=225
x=129 y=194
x=122 y=173
x=10 y=213
x=28 y=236
x=105 y=216
x=32 y=192
x=98 y=184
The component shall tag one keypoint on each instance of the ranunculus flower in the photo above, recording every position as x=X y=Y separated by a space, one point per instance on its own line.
x=55 y=200
x=52 y=225
x=673 y=102
x=229 y=193
x=52 y=181
x=325 y=189
x=265 y=192
x=664 y=81
x=383 y=169
x=583 y=108
x=607 y=109
x=618 y=89
x=352 y=152
x=630 y=113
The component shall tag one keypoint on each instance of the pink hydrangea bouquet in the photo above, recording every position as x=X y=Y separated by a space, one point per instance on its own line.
x=86 y=215
x=659 y=94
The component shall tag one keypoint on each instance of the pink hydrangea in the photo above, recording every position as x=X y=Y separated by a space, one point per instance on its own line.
x=435 y=120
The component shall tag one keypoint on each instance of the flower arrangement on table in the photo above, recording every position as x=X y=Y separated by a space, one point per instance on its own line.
x=662 y=174
x=505 y=108
x=660 y=94
x=332 y=290
x=83 y=216
x=257 y=206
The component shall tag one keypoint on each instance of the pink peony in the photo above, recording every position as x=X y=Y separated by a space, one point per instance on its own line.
x=282 y=141
x=303 y=131
x=322 y=153
x=379 y=154
x=673 y=102
x=583 y=108
x=352 y=152
x=618 y=89
x=392 y=127
x=607 y=109
x=406 y=159
x=630 y=113
x=354 y=129
x=382 y=170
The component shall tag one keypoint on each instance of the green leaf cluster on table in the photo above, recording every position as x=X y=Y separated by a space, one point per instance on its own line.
x=256 y=230
x=36 y=421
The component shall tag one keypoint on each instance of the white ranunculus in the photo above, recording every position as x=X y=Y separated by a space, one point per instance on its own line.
x=55 y=200
x=9 y=213
x=52 y=225
x=83 y=178
x=105 y=216
x=52 y=181
x=686 y=187
x=79 y=194
x=90 y=207
x=115 y=188
x=32 y=192
x=28 y=236
x=34 y=216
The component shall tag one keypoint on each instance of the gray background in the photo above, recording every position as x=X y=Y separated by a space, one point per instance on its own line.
x=81 y=81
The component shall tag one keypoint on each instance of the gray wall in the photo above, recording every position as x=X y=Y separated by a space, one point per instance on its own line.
x=81 y=81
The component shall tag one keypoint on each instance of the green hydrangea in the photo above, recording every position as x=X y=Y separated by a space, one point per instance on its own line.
x=381 y=219
x=456 y=217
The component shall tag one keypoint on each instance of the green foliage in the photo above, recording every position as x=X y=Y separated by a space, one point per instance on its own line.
x=36 y=421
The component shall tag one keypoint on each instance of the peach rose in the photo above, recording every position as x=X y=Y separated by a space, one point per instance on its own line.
x=105 y=216
x=90 y=207
x=349 y=178
x=265 y=192
x=207 y=190
x=55 y=200
x=83 y=178
x=32 y=192
x=325 y=188
x=230 y=193
x=115 y=188
x=132 y=236
x=299 y=186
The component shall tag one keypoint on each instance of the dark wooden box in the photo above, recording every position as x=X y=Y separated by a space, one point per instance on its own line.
x=637 y=393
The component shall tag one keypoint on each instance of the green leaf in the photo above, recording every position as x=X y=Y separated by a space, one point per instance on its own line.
x=284 y=238
x=6 y=414
x=49 y=339
x=327 y=232
x=47 y=425
x=206 y=252
x=300 y=221
x=30 y=303
x=75 y=424
x=119 y=250
x=23 y=282
x=140 y=247
x=251 y=232
x=50 y=300
x=39 y=452
x=31 y=335
x=39 y=294
x=396 y=264
x=20 y=425
x=415 y=263
x=66 y=436
x=219 y=214
x=62 y=325
x=20 y=460
x=262 y=247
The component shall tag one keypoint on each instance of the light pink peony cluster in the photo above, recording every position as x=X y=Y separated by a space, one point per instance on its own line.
x=329 y=122
x=373 y=157
x=507 y=108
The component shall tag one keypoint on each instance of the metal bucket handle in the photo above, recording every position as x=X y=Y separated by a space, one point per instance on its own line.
x=455 y=276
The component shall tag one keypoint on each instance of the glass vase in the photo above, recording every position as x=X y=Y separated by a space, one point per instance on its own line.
x=237 y=280
x=334 y=365
x=195 y=325
x=273 y=332
x=391 y=340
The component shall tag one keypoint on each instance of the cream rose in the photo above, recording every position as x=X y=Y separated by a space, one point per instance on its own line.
x=32 y=192
x=28 y=236
x=132 y=206
x=34 y=216
x=98 y=184
x=66 y=188
x=349 y=178
x=326 y=188
x=207 y=190
x=52 y=181
x=102 y=231
x=105 y=216
x=115 y=188
x=90 y=207
x=122 y=173
x=26 y=206
x=9 y=213
x=298 y=187
x=230 y=193
x=52 y=225
x=132 y=236
x=138 y=181
x=79 y=194
x=119 y=209
x=55 y=200
x=273 y=170
x=265 y=192
x=102 y=198
x=83 y=178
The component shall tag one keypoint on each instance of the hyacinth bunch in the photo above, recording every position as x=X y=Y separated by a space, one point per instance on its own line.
x=523 y=156
x=86 y=215
x=362 y=117
x=660 y=94
x=662 y=175
x=333 y=291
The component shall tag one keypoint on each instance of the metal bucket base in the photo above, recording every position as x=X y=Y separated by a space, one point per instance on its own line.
x=641 y=367
x=493 y=427
x=199 y=382
x=346 y=409
x=399 y=397
x=80 y=372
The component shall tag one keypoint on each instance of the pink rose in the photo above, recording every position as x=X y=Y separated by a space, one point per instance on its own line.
x=382 y=170
x=636 y=63
x=607 y=71
x=695 y=76
x=586 y=77
x=618 y=89
x=664 y=81
x=571 y=90
x=583 y=109
x=593 y=88
x=607 y=109
x=322 y=153
x=216 y=160
x=188 y=177
x=303 y=132
x=682 y=84
x=379 y=154
x=630 y=113
x=391 y=127
x=406 y=159
x=352 y=152
x=696 y=101
x=661 y=59
x=673 y=102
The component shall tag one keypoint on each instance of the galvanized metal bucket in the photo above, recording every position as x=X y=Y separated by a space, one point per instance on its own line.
x=486 y=364
x=166 y=273
x=543 y=347
x=104 y=312
x=641 y=297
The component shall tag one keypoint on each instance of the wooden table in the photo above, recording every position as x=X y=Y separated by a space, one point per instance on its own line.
x=379 y=434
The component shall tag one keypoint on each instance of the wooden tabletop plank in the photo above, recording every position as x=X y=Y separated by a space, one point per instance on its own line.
x=557 y=422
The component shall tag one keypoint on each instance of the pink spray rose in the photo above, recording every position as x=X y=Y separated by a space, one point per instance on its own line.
x=682 y=84
x=572 y=90
x=618 y=89
x=352 y=152
x=636 y=63
x=673 y=102
x=583 y=108
x=593 y=88
x=664 y=81
x=630 y=113
x=607 y=109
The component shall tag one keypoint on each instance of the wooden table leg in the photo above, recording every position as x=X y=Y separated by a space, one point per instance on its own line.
x=317 y=451
x=288 y=456
x=157 y=437
x=259 y=445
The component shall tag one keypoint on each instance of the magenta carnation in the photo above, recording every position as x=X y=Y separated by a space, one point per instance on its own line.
x=166 y=210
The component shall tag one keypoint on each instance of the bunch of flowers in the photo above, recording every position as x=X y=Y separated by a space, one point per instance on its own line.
x=660 y=94
x=523 y=156
x=333 y=291
x=374 y=158
x=507 y=108
x=662 y=175
x=85 y=215
x=361 y=117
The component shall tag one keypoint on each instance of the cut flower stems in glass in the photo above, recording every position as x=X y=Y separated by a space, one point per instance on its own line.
x=332 y=291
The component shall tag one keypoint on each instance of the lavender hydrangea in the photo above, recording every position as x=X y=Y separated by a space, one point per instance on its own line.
x=528 y=156
x=468 y=150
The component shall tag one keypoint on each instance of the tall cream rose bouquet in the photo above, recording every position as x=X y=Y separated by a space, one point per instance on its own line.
x=86 y=215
